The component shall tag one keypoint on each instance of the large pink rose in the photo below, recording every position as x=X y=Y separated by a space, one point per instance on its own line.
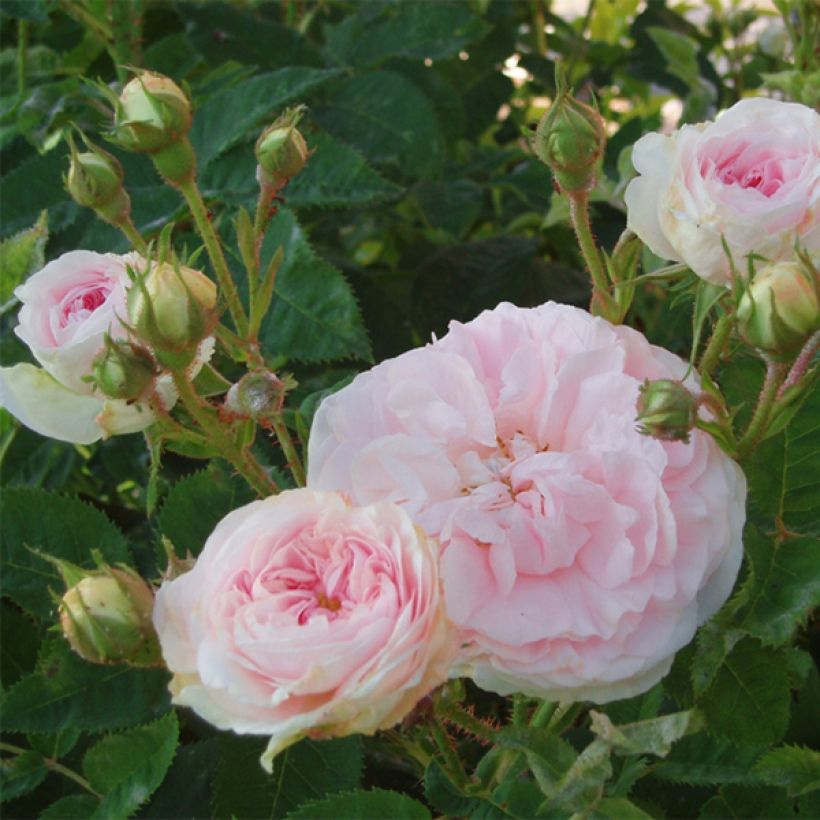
x=751 y=177
x=577 y=555
x=306 y=616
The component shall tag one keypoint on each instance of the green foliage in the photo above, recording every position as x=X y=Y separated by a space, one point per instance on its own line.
x=21 y=774
x=363 y=805
x=21 y=255
x=795 y=768
x=302 y=774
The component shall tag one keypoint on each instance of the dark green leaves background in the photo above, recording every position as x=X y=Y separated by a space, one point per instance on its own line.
x=422 y=203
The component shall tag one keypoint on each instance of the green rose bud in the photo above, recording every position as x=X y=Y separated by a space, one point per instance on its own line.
x=106 y=616
x=94 y=180
x=570 y=139
x=123 y=370
x=781 y=308
x=666 y=410
x=256 y=395
x=172 y=308
x=281 y=150
x=152 y=113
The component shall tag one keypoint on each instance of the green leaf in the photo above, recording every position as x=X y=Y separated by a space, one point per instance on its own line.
x=782 y=588
x=654 y=736
x=584 y=779
x=743 y=803
x=128 y=767
x=679 y=51
x=67 y=692
x=549 y=757
x=62 y=527
x=363 y=805
x=703 y=760
x=794 y=768
x=73 y=807
x=715 y=641
x=230 y=114
x=21 y=773
x=706 y=297
x=444 y=797
x=388 y=119
x=22 y=255
x=188 y=783
x=19 y=639
x=410 y=29
x=314 y=315
x=305 y=771
x=450 y=206
x=196 y=504
x=617 y=808
x=749 y=699
x=337 y=176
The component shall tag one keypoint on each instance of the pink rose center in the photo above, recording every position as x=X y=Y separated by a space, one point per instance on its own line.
x=748 y=167
x=78 y=306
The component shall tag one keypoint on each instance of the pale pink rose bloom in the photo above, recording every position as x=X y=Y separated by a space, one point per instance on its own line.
x=306 y=616
x=752 y=177
x=577 y=555
x=67 y=308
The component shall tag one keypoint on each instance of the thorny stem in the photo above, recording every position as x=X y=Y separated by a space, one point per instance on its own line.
x=602 y=303
x=264 y=213
x=801 y=363
x=464 y=720
x=283 y=435
x=451 y=759
x=128 y=227
x=241 y=458
x=196 y=204
x=519 y=713
x=775 y=375
x=55 y=766
x=715 y=346
x=543 y=714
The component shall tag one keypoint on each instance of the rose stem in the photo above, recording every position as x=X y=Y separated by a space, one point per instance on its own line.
x=714 y=348
x=801 y=363
x=242 y=459
x=451 y=758
x=466 y=721
x=52 y=764
x=775 y=374
x=283 y=434
x=602 y=303
x=132 y=234
x=519 y=711
x=193 y=197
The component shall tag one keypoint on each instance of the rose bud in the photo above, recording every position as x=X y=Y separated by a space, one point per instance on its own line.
x=281 y=150
x=94 y=180
x=256 y=395
x=152 y=113
x=780 y=308
x=666 y=410
x=172 y=308
x=106 y=616
x=123 y=370
x=570 y=139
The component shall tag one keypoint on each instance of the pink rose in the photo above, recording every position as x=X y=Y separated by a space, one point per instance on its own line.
x=577 y=555
x=67 y=308
x=306 y=616
x=751 y=177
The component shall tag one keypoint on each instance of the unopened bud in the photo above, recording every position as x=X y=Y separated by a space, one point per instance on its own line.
x=106 y=617
x=570 y=139
x=256 y=395
x=123 y=370
x=94 y=180
x=172 y=308
x=666 y=410
x=781 y=307
x=152 y=113
x=281 y=150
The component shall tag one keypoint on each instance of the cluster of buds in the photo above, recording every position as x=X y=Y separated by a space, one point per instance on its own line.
x=570 y=139
x=667 y=410
x=123 y=370
x=780 y=308
x=172 y=308
x=105 y=614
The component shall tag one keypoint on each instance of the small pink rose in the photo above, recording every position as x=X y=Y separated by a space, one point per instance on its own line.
x=751 y=177
x=306 y=616
x=577 y=555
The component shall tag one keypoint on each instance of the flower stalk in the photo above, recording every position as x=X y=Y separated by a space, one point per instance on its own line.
x=775 y=376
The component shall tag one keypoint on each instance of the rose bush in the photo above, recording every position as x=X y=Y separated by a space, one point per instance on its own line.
x=306 y=616
x=67 y=309
x=577 y=555
x=751 y=177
